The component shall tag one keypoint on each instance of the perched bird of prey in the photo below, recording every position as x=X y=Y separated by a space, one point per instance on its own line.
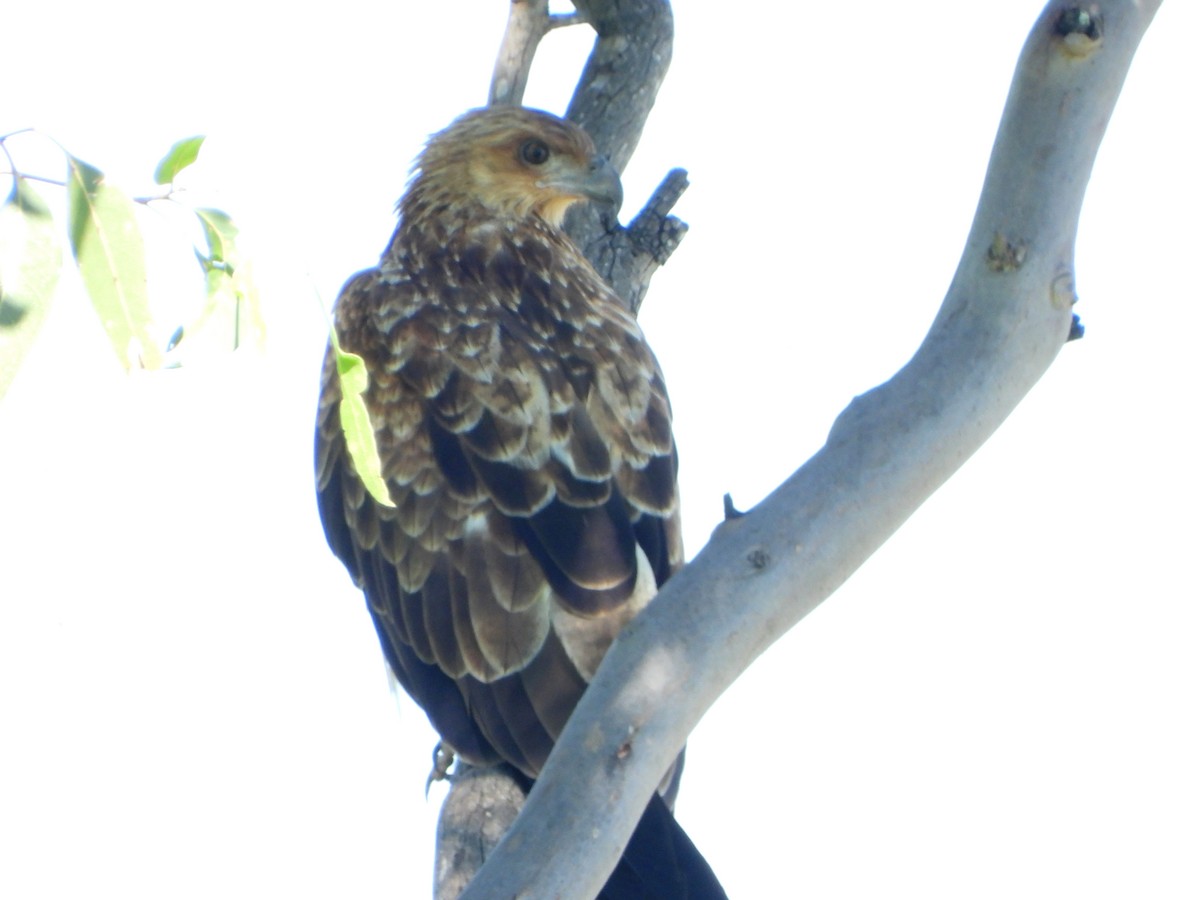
x=524 y=435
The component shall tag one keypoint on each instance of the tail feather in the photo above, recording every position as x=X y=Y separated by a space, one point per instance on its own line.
x=661 y=863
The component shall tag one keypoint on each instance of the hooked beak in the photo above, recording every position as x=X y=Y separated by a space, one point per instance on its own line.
x=604 y=184
x=599 y=182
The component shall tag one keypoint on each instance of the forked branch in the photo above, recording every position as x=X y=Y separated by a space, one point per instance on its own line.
x=1007 y=313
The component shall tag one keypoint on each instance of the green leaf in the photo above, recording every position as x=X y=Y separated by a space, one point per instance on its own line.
x=181 y=155
x=30 y=261
x=28 y=200
x=219 y=233
x=111 y=257
x=356 y=423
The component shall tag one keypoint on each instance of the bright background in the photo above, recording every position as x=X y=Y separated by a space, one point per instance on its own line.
x=1002 y=702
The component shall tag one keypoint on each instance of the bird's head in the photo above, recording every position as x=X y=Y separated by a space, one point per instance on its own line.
x=516 y=162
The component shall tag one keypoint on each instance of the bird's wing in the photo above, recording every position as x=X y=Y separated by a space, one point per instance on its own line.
x=535 y=495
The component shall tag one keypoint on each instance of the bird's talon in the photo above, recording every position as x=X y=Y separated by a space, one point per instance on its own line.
x=443 y=759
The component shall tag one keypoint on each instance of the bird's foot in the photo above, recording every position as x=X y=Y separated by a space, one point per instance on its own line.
x=443 y=759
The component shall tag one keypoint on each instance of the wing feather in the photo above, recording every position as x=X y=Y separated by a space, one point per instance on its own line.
x=508 y=637
x=524 y=433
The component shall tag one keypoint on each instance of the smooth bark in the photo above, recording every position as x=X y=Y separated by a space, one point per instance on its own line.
x=1006 y=315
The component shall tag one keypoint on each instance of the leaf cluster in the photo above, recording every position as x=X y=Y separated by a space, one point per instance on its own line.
x=106 y=244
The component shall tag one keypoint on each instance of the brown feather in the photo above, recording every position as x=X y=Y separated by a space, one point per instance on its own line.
x=524 y=434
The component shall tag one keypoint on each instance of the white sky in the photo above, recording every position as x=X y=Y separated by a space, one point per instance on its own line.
x=1002 y=702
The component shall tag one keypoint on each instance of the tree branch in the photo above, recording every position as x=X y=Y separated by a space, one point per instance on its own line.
x=1007 y=313
x=628 y=257
x=612 y=102
x=624 y=72
x=480 y=808
x=528 y=22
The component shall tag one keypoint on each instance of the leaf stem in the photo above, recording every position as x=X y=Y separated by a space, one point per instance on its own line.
x=14 y=171
x=5 y=137
x=147 y=200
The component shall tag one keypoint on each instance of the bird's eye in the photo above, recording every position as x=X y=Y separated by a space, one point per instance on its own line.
x=535 y=152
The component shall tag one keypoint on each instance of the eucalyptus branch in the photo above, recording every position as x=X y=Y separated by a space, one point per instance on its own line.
x=528 y=22
x=614 y=97
x=628 y=257
x=612 y=102
x=622 y=75
x=999 y=329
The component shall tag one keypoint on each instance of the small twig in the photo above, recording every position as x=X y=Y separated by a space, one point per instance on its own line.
x=565 y=20
x=147 y=200
x=5 y=137
x=654 y=231
x=12 y=170
x=12 y=165
x=629 y=257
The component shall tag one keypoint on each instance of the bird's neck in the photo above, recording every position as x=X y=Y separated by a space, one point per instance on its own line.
x=429 y=231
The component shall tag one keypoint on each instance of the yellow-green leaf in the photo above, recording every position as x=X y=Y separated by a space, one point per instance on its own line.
x=356 y=423
x=30 y=260
x=181 y=155
x=219 y=232
x=111 y=257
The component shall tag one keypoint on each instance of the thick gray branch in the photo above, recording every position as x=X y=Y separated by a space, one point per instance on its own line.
x=624 y=72
x=1003 y=321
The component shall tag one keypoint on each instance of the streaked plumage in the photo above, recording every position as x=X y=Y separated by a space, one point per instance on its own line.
x=524 y=433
